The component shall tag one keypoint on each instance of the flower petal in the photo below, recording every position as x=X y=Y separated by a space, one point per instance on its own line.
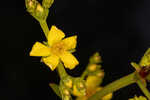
x=55 y=35
x=70 y=42
x=69 y=60
x=39 y=49
x=51 y=61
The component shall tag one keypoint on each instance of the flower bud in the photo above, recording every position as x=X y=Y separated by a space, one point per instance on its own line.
x=66 y=98
x=100 y=74
x=31 y=5
x=40 y=13
x=36 y=10
x=47 y=3
x=67 y=81
x=93 y=81
x=92 y=67
x=65 y=93
x=39 y=8
x=96 y=58
x=79 y=88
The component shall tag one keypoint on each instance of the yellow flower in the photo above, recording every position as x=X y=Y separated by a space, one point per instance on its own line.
x=56 y=50
x=92 y=86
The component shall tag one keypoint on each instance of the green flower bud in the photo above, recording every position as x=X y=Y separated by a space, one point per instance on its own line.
x=96 y=58
x=66 y=98
x=79 y=87
x=40 y=12
x=36 y=10
x=100 y=74
x=92 y=67
x=67 y=81
x=31 y=5
x=66 y=95
x=65 y=92
x=47 y=3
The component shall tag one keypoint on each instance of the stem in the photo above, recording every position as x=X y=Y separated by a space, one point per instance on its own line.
x=143 y=88
x=45 y=28
x=61 y=71
x=114 y=86
x=84 y=74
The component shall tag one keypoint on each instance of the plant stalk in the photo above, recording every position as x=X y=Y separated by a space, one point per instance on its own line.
x=45 y=28
x=61 y=71
x=143 y=88
x=114 y=86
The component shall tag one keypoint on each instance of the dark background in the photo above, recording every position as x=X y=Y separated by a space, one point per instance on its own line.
x=118 y=29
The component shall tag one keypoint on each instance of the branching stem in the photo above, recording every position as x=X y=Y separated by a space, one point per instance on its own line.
x=114 y=86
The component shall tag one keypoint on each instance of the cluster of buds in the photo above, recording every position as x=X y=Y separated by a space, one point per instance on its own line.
x=93 y=76
x=72 y=86
x=38 y=11
x=79 y=87
x=85 y=86
x=65 y=92
x=94 y=67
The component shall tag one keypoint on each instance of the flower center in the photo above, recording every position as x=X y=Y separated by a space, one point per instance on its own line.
x=58 y=48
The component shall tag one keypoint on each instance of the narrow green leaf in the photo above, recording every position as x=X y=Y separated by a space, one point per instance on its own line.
x=55 y=88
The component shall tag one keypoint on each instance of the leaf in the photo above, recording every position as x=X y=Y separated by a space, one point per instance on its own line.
x=145 y=60
x=136 y=66
x=55 y=88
